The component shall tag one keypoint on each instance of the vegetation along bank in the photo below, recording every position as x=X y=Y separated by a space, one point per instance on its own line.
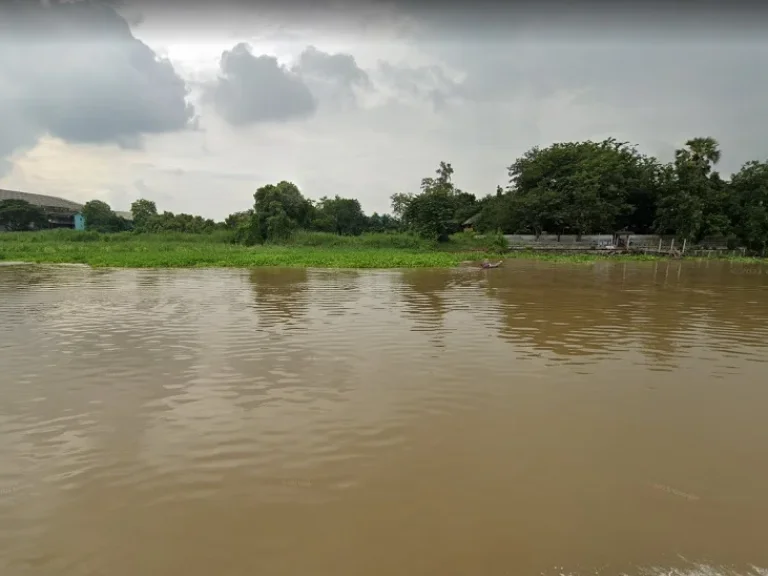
x=576 y=188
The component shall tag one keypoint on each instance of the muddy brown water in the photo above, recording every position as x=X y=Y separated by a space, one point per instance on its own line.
x=535 y=419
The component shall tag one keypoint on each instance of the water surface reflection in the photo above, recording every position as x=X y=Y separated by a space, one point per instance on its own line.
x=531 y=419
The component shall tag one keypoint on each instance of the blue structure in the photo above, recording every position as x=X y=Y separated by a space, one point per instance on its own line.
x=79 y=221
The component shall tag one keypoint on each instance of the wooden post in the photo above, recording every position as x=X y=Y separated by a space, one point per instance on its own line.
x=660 y=241
x=672 y=246
x=684 y=241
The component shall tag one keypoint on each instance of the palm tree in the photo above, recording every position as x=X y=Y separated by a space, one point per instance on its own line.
x=704 y=152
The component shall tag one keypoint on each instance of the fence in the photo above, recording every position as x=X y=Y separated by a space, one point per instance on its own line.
x=644 y=242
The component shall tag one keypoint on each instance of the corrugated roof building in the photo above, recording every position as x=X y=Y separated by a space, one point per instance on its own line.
x=47 y=203
x=60 y=212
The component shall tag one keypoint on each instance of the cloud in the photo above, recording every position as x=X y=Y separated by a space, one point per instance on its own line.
x=420 y=83
x=468 y=84
x=657 y=91
x=252 y=89
x=75 y=71
x=334 y=79
x=339 y=67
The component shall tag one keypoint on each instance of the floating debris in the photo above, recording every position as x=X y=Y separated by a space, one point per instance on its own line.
x=675 y=492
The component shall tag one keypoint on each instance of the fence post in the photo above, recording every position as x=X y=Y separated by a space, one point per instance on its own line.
x=672 y=246
x=660 y=241
x=684 y=241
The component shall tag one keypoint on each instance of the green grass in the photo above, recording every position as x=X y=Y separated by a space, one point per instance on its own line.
x=304 y=249
x=174 y=250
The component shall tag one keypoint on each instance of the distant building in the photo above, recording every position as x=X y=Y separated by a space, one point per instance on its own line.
x=469 y=223
x=61 y=213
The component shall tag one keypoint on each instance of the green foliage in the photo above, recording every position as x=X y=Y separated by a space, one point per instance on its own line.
x=100 y=217
x=400 y=202
x=383 y=223
x=749 y=190
x=566 y=188
x=238 y=220
x=430 y=214
x=184 y=223
x=343 y=216
x=578 y=187
x=278 y=210
x=17 y=215
x=143 y=211
x=439 y=210
x=173 y=249
x=693 y=200
x=199 y=250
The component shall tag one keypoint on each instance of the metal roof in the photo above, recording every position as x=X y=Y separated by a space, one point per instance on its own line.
x=472 y=219
x=41 y=200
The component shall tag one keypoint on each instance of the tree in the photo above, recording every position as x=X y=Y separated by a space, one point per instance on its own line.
x=581 y=187
x=382 y=223
x=693 y=201
x=142 y=211
x=343 y=216
x=430 y=215
x=439 y=209
x=18 y=215
x=278 y=210
x=100 y=217
x=236 y=219
x=704 y=153
x=184 y=223
x=749 y=187
x=465 y=206
x=400 y=203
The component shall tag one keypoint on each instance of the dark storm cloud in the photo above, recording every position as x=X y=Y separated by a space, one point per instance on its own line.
x=75 y=71
x=339 y=67
x=332 y=78
x=252 y=89
x=500 y=19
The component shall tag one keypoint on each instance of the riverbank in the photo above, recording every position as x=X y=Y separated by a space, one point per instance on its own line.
x=171 y=250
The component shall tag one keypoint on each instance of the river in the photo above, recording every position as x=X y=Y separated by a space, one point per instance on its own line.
x=535 y=419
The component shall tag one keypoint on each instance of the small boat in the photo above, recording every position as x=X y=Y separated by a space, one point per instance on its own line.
x=486 y=265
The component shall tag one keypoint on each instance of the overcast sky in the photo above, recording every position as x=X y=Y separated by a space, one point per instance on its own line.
x=195 y=106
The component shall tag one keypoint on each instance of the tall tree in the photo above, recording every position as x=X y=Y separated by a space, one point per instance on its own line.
x=581 y=187
x=278 y=210
x=100 y=217
x=142 y=211
x=343 y=216
x=694 y=199
x=749 y=188
x=436 y=211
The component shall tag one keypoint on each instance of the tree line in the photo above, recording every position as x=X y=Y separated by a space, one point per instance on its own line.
x=566 y=188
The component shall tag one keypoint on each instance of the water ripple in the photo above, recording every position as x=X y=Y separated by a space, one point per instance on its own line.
x=426 y=418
